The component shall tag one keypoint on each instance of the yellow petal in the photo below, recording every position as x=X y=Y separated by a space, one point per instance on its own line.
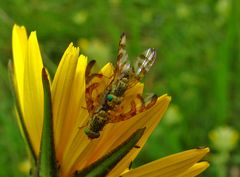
x=77 y=114
x=61 y=94
x=27 y=69
x=33 y=91
x=179 y=164
x=19 y=46
x=195 y=170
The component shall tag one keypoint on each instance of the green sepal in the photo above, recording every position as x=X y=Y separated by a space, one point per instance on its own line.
x=47 y=166
x=20 y=115
x=104 y=165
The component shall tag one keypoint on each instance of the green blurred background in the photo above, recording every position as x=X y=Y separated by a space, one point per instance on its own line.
x=198 y=64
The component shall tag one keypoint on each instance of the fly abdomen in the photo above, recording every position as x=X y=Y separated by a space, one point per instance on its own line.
x=99 y=120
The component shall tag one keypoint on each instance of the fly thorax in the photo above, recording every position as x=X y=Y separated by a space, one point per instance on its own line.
x=113 y=100
x=121 y=87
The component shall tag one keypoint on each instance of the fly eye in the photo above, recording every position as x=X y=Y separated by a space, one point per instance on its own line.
x=109 y=97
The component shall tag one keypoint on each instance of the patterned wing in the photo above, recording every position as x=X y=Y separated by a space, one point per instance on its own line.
x=144 y=62
x=142 y=65
x=123 y=64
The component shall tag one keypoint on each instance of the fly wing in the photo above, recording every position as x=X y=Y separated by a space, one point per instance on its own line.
x=122 y=59
x=144 y=62
x=142 y=65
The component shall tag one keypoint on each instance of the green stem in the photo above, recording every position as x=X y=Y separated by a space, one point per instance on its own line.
x=47 y=166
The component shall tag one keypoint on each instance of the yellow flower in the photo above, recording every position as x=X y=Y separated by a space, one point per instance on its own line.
x=73 y=151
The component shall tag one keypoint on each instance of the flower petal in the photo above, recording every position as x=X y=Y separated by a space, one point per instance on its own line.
x=77 y=116
x=33 y=91
x=171 y=166
x=27 y=62
x=195 y=170
x=61 y=96
x=19 y=45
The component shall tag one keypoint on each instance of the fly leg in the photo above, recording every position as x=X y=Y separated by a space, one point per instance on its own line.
x=114 y=117
x=147 y=103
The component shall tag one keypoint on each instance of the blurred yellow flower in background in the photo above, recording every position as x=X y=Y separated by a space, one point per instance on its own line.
x=51 y=114
x=224 y=138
